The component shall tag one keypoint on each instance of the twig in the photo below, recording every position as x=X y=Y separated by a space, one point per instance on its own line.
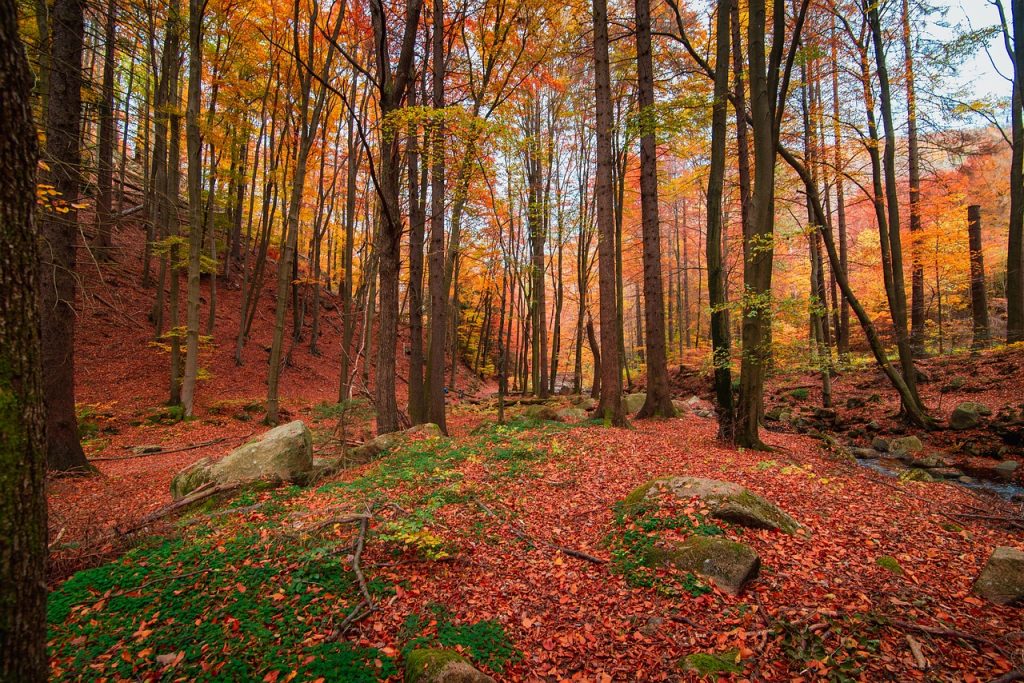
x=204 y=491
x=523 y=535
x=365 y=605
x=942 y=632
x=915 y=649
x=182 y=449
x=1009 y=676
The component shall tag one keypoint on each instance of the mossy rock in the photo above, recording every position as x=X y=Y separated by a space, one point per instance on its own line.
x=284 y=453
x=632 y=403
x=376 y=447
x=917 y=474
x=709 y=663
x=906 y=444
x=968 y=414
x=729 y=502
x=541 y=412
x=572 y=415
x=728 y=564
x=432 y=665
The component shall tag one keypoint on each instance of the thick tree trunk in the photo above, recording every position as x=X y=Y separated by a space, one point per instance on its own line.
x=659 y=399
x=1015 y=241
x=720 y=339
x=59 y=233
x=610 y=406
x=417 y=226
x=22 y=412
x=979 y=299
x=434 y=382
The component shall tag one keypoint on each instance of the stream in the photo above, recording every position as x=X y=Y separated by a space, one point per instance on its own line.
x=891 y=467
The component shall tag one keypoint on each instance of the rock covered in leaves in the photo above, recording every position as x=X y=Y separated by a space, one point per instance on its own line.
x=968 y=414
x=429 y=665
x=728 y=564
x=728 y=501
x=1002 y=579
x=284 y=453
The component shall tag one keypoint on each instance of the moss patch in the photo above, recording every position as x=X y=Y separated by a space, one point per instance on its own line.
x=890 y=563
x=707 y=663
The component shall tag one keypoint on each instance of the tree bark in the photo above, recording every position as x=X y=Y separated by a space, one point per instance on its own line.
x=105 y=151
x=59 y=233
x=720 y=339
x=659 y=400
x=22 y=413
x=610 y=406
x=979 y=299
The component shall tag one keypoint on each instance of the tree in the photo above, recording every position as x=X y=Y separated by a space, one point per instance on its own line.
x=22 y=415
x=438 y=294
x=659 y=400
x=390 y=80
x=720 y=338
x=1013 y=39
x=610 y=404
x=58 y=229
x=105 y=153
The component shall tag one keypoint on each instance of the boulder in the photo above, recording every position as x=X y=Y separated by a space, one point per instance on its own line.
x=1002 y=579
x=865 y=453
x=700 y=407
x=430 y=665
x=727 y=501
x=541 y=412
x=929 y=462
x=968 y=415
x=880 y=444
x=588 y=403
x=681 y=407
x=906 y=444
x=374 y=448
x=1006 y=469
x=284 y=453
x=916 y=474
x=728 y=564
x=633 y=402
x=572 y=415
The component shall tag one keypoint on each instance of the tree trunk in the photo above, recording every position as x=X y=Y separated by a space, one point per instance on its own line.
x=659 y=400
x=979 y=299
x=59 y=234
x=194 y=146
x=434 y=382
x=720 y=339
x=22 y=412
x=610 y=406
x=917 y=322
x=417 y=226
x=105 y=152
x=1015 y=241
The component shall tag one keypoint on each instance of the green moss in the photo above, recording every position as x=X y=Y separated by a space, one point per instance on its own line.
x=800 y=394
x=890 y=563
x=707 y=663
x=423 y=664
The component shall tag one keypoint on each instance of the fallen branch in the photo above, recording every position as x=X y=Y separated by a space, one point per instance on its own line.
x=942 y=632
x=182 y=449
x=201 y=493
x=365 y=606
x=523 y=535
x=915 y=649
x=1009 y=676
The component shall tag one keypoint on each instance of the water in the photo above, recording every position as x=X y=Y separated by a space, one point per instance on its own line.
x=890 y=467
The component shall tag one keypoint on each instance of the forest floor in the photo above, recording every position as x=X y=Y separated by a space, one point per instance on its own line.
x=510 y=543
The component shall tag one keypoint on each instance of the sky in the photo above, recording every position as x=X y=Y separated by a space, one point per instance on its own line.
x=983 y=69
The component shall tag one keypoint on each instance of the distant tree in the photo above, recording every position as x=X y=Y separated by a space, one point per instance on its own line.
x=22 y=416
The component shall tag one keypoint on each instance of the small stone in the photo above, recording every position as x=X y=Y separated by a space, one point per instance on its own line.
x=1002 y=579
x=906 y=444
x=1007 y=469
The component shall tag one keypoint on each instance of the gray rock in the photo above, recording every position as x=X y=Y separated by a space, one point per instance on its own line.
x=1007 y=468
x=906 y=444
x=1002 y=579
x=968 y=415
x=865 y=453
x=727 y=501
x=633 y=402
x=728 y=564
x=880 y=444
x=429 y=665
x=572 y=415
x=929 y=462
x=284 y=453
x=376 y=447
x=946 y=472
x=541 y=412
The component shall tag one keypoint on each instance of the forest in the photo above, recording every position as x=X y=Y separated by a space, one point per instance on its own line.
x=450 y=341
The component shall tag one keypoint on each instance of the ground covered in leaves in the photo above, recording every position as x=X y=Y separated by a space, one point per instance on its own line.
x=510 y=544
